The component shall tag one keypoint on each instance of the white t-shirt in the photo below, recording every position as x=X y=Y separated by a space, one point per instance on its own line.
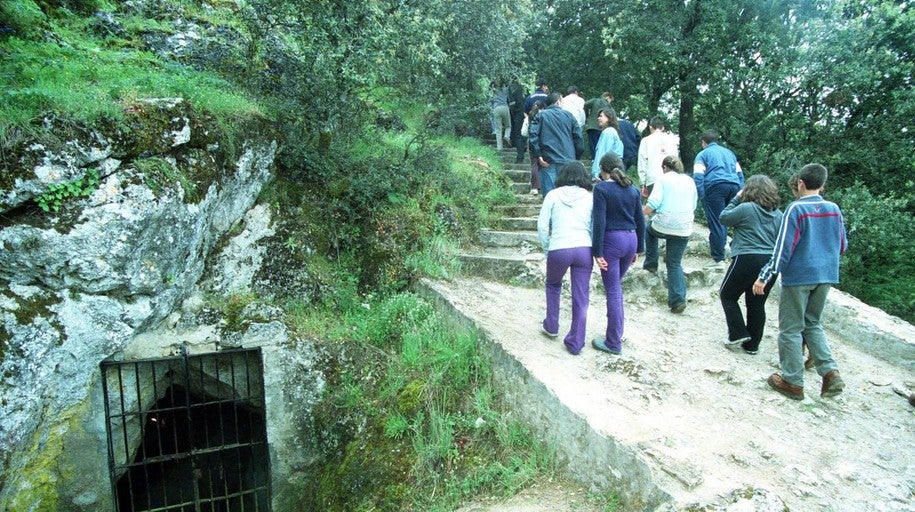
x=576 y=105
x=652 y=151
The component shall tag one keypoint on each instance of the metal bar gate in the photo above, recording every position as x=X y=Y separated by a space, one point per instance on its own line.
x=188 y=433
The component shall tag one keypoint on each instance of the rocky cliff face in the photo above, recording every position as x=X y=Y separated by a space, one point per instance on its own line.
x=112 y=258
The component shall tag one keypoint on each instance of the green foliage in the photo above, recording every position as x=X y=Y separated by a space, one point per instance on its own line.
x=435 y=50
x=59 y=193
x=20 y=17
x=394 y=205
x=159 y=174
x=232 y=307
x=433 y=417
x=88 y=80
x=879 y=266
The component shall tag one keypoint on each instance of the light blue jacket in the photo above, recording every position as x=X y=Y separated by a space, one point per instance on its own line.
x=716 y=164
x=609 y=141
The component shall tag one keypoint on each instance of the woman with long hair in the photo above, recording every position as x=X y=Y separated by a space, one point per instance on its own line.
x=616 y=240
x=754 y=217
x=525 y=131
x=564 y=227
x=609 y=141
x=673 y=202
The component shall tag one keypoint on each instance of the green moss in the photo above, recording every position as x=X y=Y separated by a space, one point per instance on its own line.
x=37 y=305
x=232 y=308
x=371 y=474
x=4 y=346
x=411 y=397
x=37 y=481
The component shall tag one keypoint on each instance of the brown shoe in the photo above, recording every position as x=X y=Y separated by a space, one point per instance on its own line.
x=808 y=363
x=832 y=384
x=779 y=384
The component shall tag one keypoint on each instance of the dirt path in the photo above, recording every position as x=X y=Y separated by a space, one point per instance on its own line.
x=702 y=417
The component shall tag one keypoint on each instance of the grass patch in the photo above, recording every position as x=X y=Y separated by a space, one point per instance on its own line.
x=89 y=79
x=427 y=395
x=159 y=174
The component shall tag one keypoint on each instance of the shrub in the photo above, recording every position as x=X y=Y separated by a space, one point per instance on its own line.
x=879 y=266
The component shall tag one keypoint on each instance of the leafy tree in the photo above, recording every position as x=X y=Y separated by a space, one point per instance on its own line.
x=324 y=56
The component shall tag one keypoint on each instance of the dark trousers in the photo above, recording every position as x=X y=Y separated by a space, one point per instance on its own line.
x=673 y=258
x=716 y=198
x=516 y=138
x=593 y=137
x=739 y=281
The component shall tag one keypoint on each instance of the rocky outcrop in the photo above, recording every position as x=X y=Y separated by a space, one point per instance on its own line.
x=106 y=264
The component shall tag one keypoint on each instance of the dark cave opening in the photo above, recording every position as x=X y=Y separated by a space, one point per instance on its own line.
x=198 y=453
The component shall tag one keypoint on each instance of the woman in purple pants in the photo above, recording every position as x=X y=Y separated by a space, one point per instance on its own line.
x=618 y=237
x=564 y=227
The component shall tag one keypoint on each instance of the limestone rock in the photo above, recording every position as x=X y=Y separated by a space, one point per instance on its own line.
x=82 y=284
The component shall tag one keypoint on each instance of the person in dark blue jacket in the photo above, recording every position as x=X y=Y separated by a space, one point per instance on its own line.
x=540 y=94
x=555 y=140
x=631 y=139
x=617 y=237
x=810 y=240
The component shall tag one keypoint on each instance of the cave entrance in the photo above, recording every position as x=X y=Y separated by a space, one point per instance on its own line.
x=188 y=433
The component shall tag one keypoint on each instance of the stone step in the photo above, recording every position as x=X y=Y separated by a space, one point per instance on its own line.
x=516 y=223
x=496 y=238
x=524 y=265
x=509 y=163
x=519 y=175
x=521 y=188
x=527 y=198
x=519 y=210
x=507 y=266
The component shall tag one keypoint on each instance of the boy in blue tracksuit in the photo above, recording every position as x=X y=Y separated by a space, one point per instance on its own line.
x=718 y=177
x=810 y=240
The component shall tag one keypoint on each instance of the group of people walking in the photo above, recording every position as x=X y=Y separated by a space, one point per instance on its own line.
x=598 y=217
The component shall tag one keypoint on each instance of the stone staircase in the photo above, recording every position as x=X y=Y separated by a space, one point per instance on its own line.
x=509 y=251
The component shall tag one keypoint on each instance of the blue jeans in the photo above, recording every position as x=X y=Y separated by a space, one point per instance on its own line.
x=799 y=310
x=676 y=246
x=716 y=199
x=548 y=177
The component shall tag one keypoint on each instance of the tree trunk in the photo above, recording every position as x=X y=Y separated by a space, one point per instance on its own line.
x=689 y=134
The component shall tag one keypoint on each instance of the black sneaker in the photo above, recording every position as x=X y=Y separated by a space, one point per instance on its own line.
x=678 y=308
x=752 y=352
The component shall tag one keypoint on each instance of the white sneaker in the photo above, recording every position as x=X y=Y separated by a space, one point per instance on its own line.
x=534 y=191
x=716 y=265
x=735 y=345
x=547 y=333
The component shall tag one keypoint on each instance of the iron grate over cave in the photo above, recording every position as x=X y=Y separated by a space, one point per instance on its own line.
x=188 y=433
